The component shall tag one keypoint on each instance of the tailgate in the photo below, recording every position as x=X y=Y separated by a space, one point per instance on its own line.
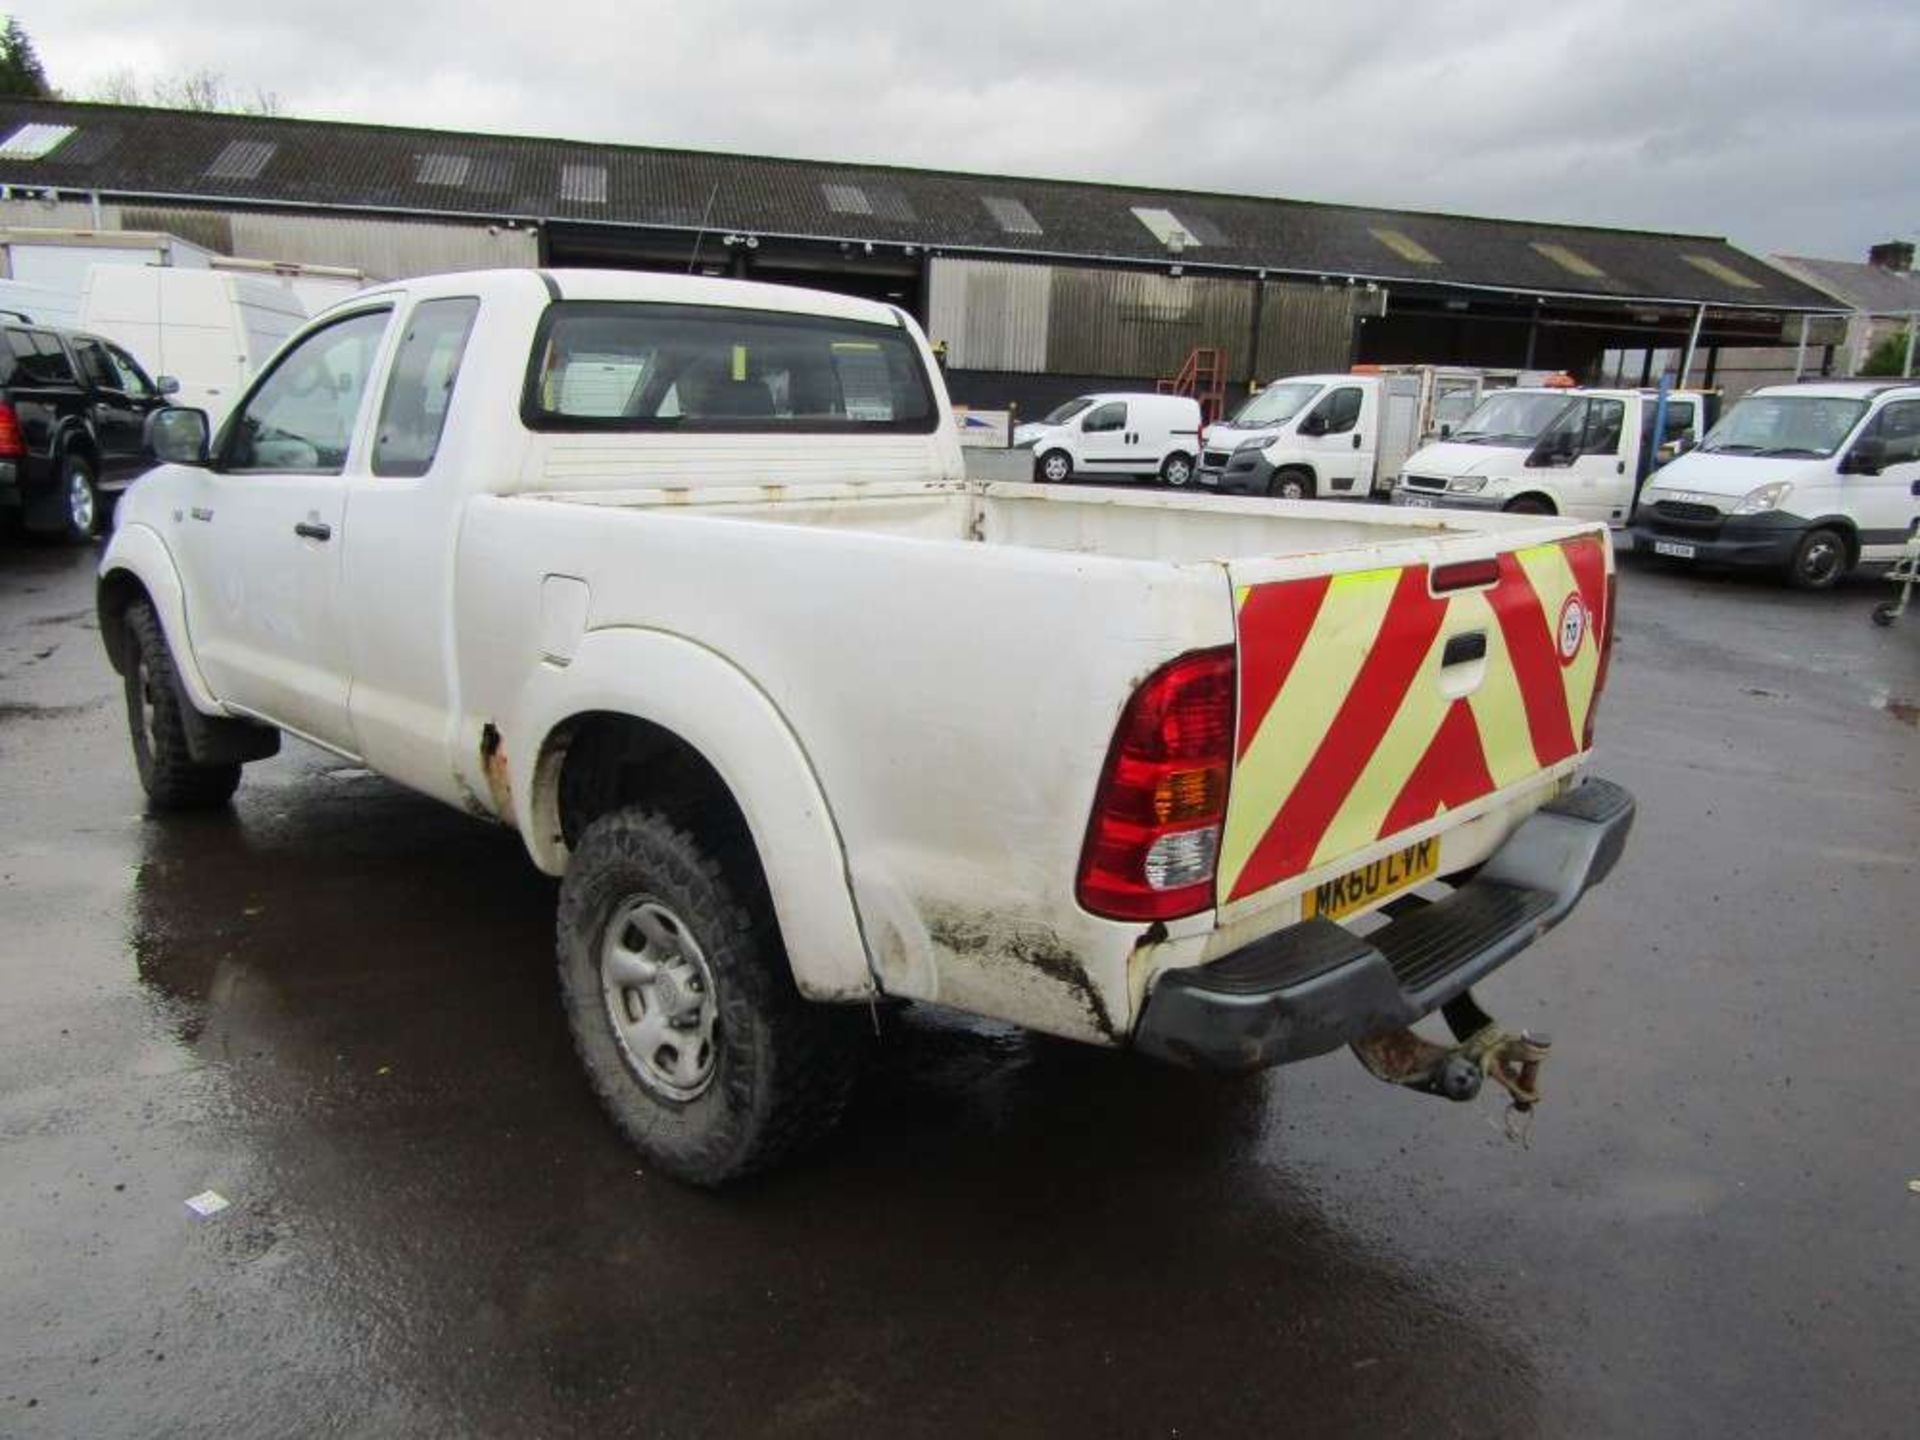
x=1374 y=700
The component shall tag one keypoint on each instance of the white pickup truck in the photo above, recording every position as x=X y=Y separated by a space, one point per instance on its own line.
x=683 y=580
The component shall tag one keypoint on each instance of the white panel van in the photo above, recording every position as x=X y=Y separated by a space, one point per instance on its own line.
x=1124 y=433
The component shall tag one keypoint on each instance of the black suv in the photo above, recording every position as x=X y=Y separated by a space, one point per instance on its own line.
x=73 y=415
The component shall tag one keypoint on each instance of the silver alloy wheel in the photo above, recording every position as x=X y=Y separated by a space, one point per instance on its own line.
x=1056 y=467
x=80 y=499
x=660 y=998
x=1820 y=561
x=1179 y=471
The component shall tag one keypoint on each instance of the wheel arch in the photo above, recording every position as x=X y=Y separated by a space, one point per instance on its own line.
x=1512 y=504
x=701 y=742
x=1845 y=528
x=137 y=567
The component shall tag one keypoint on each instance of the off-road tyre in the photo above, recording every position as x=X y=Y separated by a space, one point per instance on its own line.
x=1291 y=484
x=169 y=774
x=782 y=1066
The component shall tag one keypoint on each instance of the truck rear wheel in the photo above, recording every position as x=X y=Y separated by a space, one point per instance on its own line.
x=168 y=771
x=683 y=1008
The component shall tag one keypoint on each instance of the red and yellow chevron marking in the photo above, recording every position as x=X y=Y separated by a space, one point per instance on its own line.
x=1350 y=729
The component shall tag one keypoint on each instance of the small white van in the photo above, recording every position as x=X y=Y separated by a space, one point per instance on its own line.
x=1809 y=480
x=210 y=330
x=1132 y=434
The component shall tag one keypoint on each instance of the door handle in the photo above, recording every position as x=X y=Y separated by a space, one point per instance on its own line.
x=313 y=530
x=1356 y=441
x=1464 y=648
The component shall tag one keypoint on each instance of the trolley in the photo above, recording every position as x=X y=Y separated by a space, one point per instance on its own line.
x=1904 y=572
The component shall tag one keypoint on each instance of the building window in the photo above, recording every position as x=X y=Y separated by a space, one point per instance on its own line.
x=241 y=160
x=1010 y=215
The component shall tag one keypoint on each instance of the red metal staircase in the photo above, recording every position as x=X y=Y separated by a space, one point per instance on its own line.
x=1204 y=377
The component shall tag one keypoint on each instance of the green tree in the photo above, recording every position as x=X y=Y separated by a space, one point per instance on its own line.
x=1888 y=356
x=20 y=69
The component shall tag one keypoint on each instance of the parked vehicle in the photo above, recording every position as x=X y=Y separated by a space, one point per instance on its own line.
x=1581 y=453
x=1810 y=480
x=211 y=329
x=1315 y=436
x=73 y=408
x=683 y=580
x=1127 y=434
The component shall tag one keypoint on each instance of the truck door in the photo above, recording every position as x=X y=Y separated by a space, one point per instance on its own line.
x=1582 y=459
x=265 y=532
x=1105 y=442
x=120 y=401
x=398 y=570
x=1339 y=433
x=1885 y=505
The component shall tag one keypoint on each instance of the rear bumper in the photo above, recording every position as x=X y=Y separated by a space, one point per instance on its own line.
x=1315 y=986
x=1764 y=541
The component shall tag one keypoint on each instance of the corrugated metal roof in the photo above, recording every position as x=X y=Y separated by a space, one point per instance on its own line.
x=1859 y=286
x=365 y=167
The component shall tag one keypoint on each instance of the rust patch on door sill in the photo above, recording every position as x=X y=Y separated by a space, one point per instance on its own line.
x=493 y=760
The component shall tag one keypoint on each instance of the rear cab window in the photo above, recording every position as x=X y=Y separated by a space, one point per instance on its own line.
x=629 y=366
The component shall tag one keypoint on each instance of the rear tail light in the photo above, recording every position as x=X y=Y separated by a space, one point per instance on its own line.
x=1606 y=659
x=1465 y=575
x=13 y=445
x=1154 y=839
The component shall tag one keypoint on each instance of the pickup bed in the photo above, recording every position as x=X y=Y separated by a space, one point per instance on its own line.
x=683 y=580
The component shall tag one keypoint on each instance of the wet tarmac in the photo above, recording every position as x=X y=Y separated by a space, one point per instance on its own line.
x=335 y=1007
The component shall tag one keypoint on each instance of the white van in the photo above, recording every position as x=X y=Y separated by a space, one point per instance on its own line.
x=1579 y=453
x=1810 y=480
x=1133 y=434
x=1315 y=436
x=209 y=330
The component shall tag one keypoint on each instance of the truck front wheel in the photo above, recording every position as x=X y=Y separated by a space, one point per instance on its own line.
x=169 y=774
x=683 y=1008
x=1291 y=485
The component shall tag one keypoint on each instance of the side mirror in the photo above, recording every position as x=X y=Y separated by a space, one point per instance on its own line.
x=1314 y=424
x=1446 y=432
x=1867 y=457
x=177 y=436
x=167 y=385
x=1684 y=444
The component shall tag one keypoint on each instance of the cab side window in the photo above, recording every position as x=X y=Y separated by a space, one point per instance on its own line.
x=414 y=411
x=1898 y=429
x=94 y=365
x=133 y=379
x=1108 y=417
x=301 y=417
x=1605 y=420
x=1340 y=410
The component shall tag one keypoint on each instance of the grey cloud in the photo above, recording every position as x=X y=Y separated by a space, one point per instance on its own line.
x=1772 y=123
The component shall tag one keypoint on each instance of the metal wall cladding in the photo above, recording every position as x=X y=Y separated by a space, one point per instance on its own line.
x=1136 y=323
x=1053 y=319
x=385 y=249
x=990 y=314
x=1307 y=329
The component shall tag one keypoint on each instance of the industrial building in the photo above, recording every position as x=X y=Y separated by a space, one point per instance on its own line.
x=1035 y=288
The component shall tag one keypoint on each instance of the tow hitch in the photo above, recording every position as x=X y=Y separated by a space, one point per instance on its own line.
x=1456 y=1072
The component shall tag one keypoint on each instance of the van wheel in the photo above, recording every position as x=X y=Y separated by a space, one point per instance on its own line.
x=1291 y=485
x=86 y=510
x=683 y=1008
x=1177 y=471
x=1054 y=467
x=168 y=772
x=1819 y=560
x=1529 y=505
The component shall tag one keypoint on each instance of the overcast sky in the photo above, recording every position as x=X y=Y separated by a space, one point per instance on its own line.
x=1785 y=126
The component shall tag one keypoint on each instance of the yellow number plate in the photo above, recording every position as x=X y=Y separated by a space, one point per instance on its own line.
x=1357 y=889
